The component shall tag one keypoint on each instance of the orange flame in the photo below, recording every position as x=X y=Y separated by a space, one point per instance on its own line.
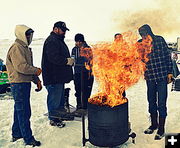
x=117 y=66
x=87 y=52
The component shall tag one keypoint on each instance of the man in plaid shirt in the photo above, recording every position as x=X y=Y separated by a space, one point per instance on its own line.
x=158 y=74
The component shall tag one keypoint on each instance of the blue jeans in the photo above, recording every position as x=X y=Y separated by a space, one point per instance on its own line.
x=55 y=98
x=22 y=111
x=157 y=97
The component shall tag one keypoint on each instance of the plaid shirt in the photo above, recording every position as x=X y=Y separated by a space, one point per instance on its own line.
x=160 y=63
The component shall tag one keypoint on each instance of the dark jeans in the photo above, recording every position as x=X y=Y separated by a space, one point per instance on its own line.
x=22 y=111
x=55 y=98
x=157 y=97
x=86 y=89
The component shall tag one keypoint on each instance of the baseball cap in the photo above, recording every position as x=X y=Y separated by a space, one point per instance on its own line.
x=61 y=25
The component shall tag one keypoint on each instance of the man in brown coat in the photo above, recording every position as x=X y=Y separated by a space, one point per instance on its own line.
x=21 y=72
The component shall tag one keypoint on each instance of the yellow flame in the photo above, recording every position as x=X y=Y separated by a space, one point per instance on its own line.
x=117 y=66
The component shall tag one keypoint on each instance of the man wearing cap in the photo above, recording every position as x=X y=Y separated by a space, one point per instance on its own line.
x=56 y=71
x=20 y=73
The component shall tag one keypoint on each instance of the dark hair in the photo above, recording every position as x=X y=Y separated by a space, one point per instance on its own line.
x=147 y=28
x=79 y=37
x=117 y=34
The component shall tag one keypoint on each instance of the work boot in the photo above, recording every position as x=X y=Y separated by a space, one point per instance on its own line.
x=154 y=124
x=160 y=132
x=34 y=143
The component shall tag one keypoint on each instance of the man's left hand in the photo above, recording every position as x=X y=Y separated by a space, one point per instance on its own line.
x=169 y=78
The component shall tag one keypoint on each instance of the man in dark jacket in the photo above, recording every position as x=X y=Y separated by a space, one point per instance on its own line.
x=56 y=70
x=158 y=74
x=87 y=79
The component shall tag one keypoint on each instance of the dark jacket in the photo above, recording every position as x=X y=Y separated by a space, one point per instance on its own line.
x=80 y=60
x=54 y=60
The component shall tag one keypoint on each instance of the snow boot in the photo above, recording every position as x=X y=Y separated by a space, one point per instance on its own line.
x=160 y=132
x=34 y=143
x=154 y=124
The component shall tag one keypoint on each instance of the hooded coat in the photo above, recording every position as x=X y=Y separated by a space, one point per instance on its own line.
x=19 y=60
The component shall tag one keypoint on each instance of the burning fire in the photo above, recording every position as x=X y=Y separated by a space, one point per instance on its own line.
x=117 y=66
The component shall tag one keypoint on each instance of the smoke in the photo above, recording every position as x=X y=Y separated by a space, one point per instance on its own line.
x=164 y=19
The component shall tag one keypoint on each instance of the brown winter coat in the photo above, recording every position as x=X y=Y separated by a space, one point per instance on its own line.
x=19 y=59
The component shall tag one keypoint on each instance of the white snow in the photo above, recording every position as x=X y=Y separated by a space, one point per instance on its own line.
x=71 y=135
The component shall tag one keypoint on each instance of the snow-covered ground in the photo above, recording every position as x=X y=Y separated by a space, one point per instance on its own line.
x=70 y=136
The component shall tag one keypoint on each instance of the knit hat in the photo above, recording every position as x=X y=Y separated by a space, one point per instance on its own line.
x=79 y=37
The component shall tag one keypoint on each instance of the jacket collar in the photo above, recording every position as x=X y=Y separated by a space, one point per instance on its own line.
x=60 y=37
x=21 y=42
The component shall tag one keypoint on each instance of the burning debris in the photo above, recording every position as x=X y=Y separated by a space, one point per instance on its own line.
x=117 y=66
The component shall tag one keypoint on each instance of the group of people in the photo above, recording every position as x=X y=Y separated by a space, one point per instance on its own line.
x=57 y=69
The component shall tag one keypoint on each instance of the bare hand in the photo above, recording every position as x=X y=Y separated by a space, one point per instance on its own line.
x=38 y=72
x=169 y=78
x=70 y=61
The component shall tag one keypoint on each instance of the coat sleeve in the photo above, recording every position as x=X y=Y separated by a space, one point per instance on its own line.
x=54 y=55
x=20 y=63
x=35 y=79
x=73 y=52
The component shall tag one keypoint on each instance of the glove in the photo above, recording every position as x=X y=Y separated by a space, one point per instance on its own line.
x=169 y=78
x=39 y=86
x=38 y=72
x=70 y=61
